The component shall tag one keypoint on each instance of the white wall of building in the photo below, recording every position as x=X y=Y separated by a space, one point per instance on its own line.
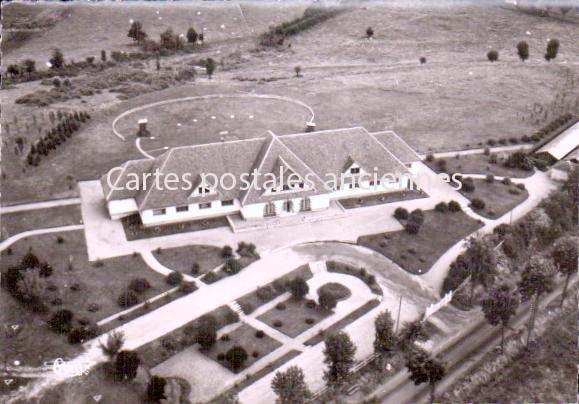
x=122 y=208
x=195 y=212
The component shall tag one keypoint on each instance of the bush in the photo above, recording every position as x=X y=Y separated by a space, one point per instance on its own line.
x=309 y=321
x=487 y=151
x=502 y=230
x=127 y=298
x=477 y=204
x=259 y=334
x=310 y=304
x=441 y=163
x=298 y=287
x=277 y=323
x=503 y=141
x=521 y=186
x=59 y=240
x=491 y=142
x=206 y=332
x=468 y=185
x=139 y=285
x=454 y=206
x=210 y=277
x=61 y=321
x=422 y=60
x=280 y=306
x=221 y=357
x=187 y=287
x=174 y=278
x=430 y=157
x=225 y=337
x=45 y=270
x=255 y=354
x=400 y=213
x=490 y=178
x=82 y=334
x=416 y=216
x=156 y=389
x=412 y=227
x=506 y=181
x=441 y=207
x=232 y=266
x=265 y=293
x=493 y=55
x=195 y=268
x=227 y=252
x=236 y=356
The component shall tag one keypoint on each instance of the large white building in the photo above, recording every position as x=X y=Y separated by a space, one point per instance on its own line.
x=256 y=178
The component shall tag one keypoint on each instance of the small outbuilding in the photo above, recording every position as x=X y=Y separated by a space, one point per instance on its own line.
x=560 y=146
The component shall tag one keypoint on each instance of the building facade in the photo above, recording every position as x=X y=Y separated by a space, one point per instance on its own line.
x=259 y=178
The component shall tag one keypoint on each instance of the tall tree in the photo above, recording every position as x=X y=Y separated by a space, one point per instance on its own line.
x=29 y=66
x=536 y=280
x=290 y=386
x=565 y=256
x=136 y=32
x=191 y=35
x=552 y=49
x=127 y=364
x=481 y=264
x=499 y=307
x=210 y=66
x=523 y=50
x=424 y=369
x=385 y=340
x=411 y=333
x=339 y=356
x=57 y=59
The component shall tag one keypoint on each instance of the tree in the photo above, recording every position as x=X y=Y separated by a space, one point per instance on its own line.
x=536 y=280
x=57 y=59
x=523 y=50
x=103 y=56
x=369 y=32
x=113 y=344
x=552 y=49
x=339 y=354
x=61 y=321
x=401 y=213
x=499 y=307
x=136 y=32
x=156 y=389
x=236 y=356
x=481 y=263
x=126 y=365
x=565 y=256
x=29 y=66
x=327 y=300
x=297 y=70
x=298 y=287
x=191 y=35
x=493 y=55
x=422 y=60
x=385 y=340
x=424 y=369
x=412 y=332
x=290 y=386
x=210 y=66
x=206 y=332
x=13 y=70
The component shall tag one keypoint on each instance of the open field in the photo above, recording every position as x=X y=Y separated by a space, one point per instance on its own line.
x=478 y=164
x=18 y=222
x=417 y=253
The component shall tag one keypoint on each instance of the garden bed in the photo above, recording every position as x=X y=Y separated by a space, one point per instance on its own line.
x=296 y=316
x=267 y=293
x=87 y=284
x=498 y=197
x=182 y=259
x=362 y=274
x=244 y=336
x=417 y=253
x=134 y=230
x=477 y=164
x=382 y=199
x=344 y=322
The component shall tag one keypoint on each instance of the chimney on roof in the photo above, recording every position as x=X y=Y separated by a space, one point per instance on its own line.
x=310 y=127
x=143 y=132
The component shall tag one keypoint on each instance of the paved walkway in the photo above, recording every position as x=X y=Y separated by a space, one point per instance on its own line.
x=11 y=240
x=39 y=205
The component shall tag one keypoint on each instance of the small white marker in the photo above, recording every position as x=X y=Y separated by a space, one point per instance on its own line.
x=194 y=120
x=232 y=116
x=213 y=117
x=250 y=116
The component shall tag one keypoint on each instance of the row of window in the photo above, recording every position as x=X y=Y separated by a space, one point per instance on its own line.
x=186 y=208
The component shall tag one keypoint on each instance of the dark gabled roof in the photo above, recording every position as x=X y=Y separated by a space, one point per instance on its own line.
x=330 y=152
x=310 y=155
x=396 y=146
x=273 y=156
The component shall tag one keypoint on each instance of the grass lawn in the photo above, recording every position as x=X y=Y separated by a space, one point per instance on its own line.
x=159 y=350
x=296 y=318
x=337 y=326
x=182 y=258
x=374 y=200
x=134 y=230
x=477 y=164
x=499 y=198
x=264 y=294
x=18 y=222
x=545 y=374
x=95 y=284
x=244 y=336
x=361 y=273
x=417 y=253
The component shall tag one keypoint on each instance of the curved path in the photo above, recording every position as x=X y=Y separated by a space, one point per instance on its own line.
x=208 y=97
x=9 y=241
